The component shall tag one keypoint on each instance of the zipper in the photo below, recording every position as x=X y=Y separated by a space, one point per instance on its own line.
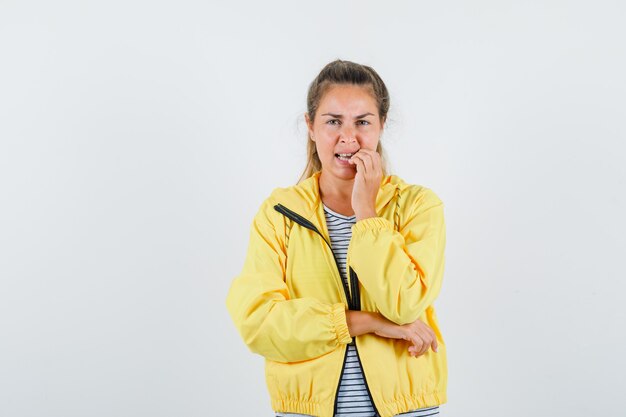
x=354 y=282
x=354 y=279
x=305 y=223
x=365 y=379
x=354 y=302
x=343 y=368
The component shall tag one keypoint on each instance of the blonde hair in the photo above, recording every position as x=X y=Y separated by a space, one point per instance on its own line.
x=344 y=72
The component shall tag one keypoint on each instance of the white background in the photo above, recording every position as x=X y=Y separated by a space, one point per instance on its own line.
x=139 y=138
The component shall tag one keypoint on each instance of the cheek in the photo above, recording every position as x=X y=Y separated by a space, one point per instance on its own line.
x=324 y=147
x=373 y=136
x=370 y=142
x=327 y=151
x=327 y=130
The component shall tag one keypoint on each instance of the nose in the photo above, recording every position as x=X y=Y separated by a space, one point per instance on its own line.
x=347 y=134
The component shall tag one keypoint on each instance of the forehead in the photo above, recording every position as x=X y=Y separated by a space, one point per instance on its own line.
x=348 y=98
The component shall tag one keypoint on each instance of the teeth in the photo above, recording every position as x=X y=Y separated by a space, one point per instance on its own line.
x=345 y=154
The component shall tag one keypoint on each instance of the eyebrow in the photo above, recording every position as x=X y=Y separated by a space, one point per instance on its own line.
x=340 y=116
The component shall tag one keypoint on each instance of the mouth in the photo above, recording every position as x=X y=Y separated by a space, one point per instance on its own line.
x=344 y=156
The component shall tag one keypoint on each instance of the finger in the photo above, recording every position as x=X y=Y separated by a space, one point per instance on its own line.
x=424 y=347
x=418 y=343
x=360 y=168
x=358 y=159
x=368 y=151
x=433 y=337
x=407 y=336
x=353 y=159
x=434 y=343
x=426 y=341
x=423 y=328
x=375 y=157
x=368 y=161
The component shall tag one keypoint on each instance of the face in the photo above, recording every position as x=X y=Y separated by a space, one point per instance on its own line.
x=347 y=120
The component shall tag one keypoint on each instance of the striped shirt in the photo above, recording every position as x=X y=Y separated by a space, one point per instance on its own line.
x=353 y=399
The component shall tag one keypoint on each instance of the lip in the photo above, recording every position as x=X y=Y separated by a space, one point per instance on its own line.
x=352 y=152
x=344 y=163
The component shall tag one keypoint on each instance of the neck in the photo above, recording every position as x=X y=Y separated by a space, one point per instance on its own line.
x=336 y=188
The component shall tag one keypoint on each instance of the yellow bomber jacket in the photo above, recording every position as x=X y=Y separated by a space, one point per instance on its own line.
x=289 y=302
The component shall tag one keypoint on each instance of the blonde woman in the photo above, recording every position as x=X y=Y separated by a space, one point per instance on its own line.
x=342 y=269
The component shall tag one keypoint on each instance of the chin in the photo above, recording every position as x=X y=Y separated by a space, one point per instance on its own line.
x=345 y=174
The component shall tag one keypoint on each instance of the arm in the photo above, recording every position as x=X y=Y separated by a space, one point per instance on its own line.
x=270 y=322
x=362 y=322
x=418 y=333
x=402 y=271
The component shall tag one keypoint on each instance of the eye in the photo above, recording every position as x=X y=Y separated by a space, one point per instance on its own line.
x=332 y=120
x=365 y=122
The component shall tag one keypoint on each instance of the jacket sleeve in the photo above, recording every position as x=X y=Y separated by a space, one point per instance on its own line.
x=271 y=323
x=401 y=271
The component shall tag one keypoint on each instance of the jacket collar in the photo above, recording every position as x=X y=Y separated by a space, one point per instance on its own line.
x=304 y=197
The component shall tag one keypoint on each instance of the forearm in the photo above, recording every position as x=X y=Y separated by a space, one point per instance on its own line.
x=362 y=322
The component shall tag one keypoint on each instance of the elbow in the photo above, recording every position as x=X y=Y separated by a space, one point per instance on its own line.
x=402 y=317
x=264 y=341
x=412 y=303
x=404 y=312
x=269 y=354
x=274 y=352
x=258 y=344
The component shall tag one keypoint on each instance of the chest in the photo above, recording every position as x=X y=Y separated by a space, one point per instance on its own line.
x=314 y=263
x=341 y=206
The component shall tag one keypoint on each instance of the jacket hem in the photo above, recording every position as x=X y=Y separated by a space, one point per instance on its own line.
x=411 y=402
x=386 y=409
x=296 y=406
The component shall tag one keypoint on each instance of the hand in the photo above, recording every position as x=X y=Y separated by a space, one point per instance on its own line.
x=369 y=174
x=418 y=333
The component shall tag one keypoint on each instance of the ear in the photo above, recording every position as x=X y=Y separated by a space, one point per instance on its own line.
x=309 y=126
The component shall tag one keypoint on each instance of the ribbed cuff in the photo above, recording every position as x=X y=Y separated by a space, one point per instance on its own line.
x=371 y=223
x=338 y=317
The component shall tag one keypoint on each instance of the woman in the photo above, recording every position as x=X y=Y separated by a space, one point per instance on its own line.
x=342 y=269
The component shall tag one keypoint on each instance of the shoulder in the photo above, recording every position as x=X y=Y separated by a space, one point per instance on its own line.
x=418 y=196
x=301 y=198
x=266 y=209
x=267 y=212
